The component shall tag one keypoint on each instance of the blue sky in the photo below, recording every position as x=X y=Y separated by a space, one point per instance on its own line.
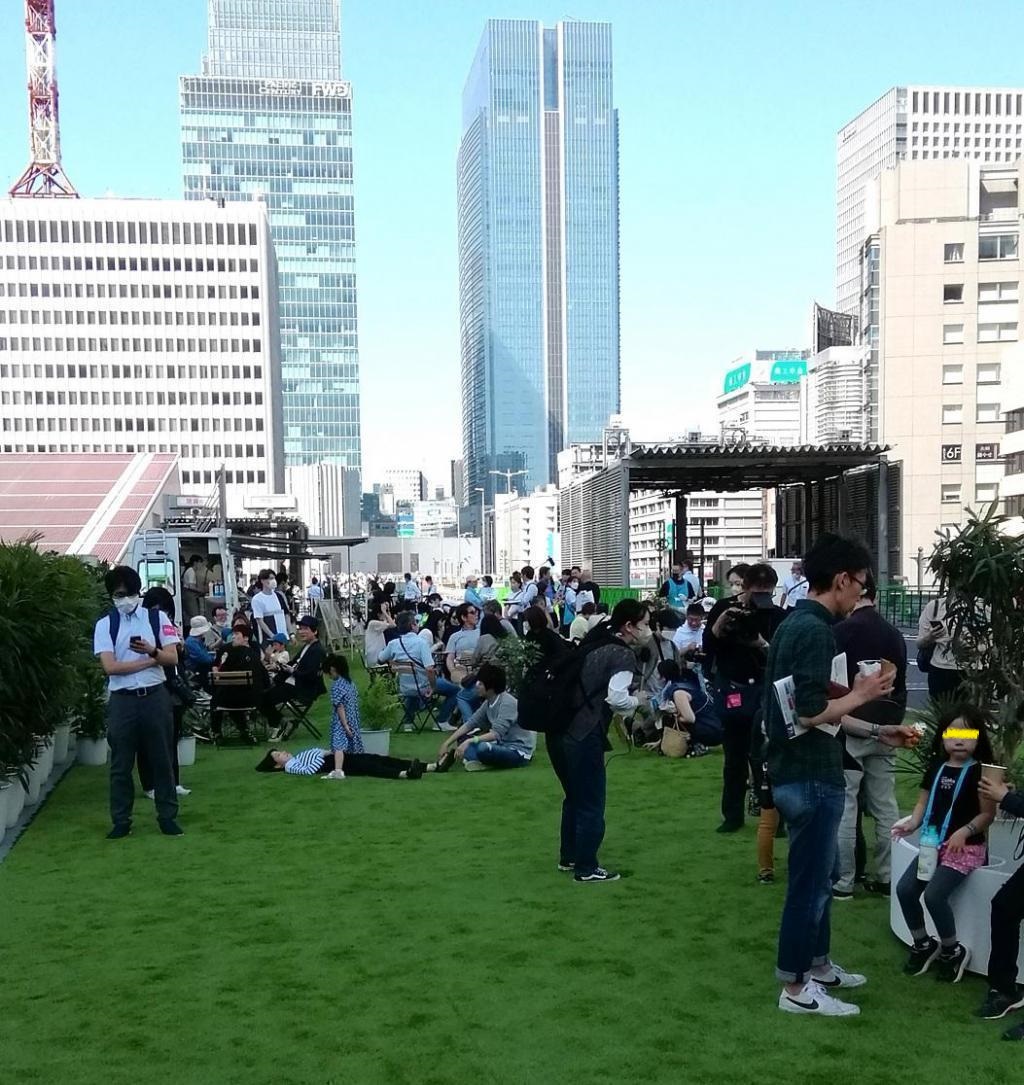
x=728 y=114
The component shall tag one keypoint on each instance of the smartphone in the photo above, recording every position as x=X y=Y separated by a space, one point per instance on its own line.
x=936 y=625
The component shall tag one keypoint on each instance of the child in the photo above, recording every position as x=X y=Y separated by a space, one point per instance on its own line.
x=684 y=695
x=277 y=652
x=953 y=825
x=345 y=734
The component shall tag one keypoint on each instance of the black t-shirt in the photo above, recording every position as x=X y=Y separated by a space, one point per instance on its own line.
x=967 y=806
x=734 y=659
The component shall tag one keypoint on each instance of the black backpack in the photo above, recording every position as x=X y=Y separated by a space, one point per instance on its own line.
x=552 y=692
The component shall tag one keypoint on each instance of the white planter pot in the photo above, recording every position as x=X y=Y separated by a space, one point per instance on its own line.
x=92 y=751
x=5 y=790
x=61 y=742
x=378 y=742
x=187 y=750
x=46 y=755
x=36 y=777
x=15 y=802
x=1003 y=835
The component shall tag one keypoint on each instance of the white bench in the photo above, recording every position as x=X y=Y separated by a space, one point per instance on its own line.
x=972 y=902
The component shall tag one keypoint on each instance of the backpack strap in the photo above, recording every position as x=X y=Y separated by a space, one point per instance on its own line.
x=114 y=620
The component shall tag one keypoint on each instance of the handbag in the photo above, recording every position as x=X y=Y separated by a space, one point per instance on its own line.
x=924 y=659
x=674 y=742
x=179 y=689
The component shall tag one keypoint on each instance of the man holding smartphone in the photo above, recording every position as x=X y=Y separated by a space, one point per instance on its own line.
x=134 y=645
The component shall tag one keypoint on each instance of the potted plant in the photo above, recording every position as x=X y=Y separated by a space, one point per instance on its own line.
x=62 y=742
x=91 y=724
x=378 y=705
x=187 y=742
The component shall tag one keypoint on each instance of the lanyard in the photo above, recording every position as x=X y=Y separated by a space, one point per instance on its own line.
x=952 y=801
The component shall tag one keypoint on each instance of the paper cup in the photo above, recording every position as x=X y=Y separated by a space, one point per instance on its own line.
x=869 y=666
x=995 y=773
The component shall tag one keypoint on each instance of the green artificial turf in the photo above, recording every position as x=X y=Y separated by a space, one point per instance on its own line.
x=367 y=931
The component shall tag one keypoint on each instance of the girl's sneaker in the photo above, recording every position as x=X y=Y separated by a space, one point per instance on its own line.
x=951 y=966
x=766 y=877
x=921 y=956
x=815 y=999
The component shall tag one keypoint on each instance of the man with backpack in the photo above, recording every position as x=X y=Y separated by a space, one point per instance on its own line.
x=573 y=700
x=134 y=645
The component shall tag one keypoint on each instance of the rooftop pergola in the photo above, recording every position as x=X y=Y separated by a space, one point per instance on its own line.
x=683 y=469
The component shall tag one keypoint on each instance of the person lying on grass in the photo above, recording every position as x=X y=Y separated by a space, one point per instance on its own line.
x=346 y=737
x=491 y=737
x=316 y=762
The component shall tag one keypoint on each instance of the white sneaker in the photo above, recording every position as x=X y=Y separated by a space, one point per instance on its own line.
x=407 y=728
x=447 y=728
x=814 y=999
x=149 y=794
x=337 y=774
x=840 y=978
x=182 y=790
x=473 y=766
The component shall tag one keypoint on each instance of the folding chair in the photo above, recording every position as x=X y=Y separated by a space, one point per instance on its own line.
x=425 y=713
x=295 y=714
x=235 y=695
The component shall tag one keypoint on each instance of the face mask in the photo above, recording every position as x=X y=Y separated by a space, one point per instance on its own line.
x=643 y=634
x=677 y=577
x=128 y=605
x=575 y=585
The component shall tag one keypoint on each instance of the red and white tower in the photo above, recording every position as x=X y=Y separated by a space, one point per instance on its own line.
x=45 y=176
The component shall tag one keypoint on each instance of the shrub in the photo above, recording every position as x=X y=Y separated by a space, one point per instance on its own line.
x=48 y=606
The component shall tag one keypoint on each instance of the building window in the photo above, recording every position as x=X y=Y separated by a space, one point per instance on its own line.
x=989 y=372
x=953 y=293
x=952 y=374
x=997 y=247
x=951 y=493
x=953 y=253
x=988 y=412
x=986 y=491
x=991 y=292
x=952 y=333
x=952 y=414
x=1005 y=332
x=1015 y=420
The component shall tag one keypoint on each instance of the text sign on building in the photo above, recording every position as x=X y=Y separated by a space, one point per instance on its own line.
x=306 y=89
x=736 y=378
x=952 y=453
x=986 y=453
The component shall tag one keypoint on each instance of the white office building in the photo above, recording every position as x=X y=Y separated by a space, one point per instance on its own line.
x=948 y=319
x=760 y=400
x=833 y=397
x=143 y=326
x=406 y=485
x=525 y=529
x=919 y=123
x=327 y=498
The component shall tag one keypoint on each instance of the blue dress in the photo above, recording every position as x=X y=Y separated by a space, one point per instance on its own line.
x=344 y=693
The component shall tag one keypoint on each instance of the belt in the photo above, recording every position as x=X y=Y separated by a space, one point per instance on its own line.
x=143 y=691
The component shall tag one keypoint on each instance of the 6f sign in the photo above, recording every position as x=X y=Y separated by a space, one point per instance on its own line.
x=952 y=453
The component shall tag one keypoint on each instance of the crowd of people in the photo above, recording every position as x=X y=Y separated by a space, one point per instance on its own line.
x=806 y=699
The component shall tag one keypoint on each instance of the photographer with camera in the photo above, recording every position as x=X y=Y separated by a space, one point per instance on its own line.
x=736 y=640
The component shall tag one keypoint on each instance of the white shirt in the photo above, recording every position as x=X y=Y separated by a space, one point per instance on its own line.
x=409 y=648
x=796 y=588
x=685 y=638
x=136 y=624
x=269 y=606
x=316 y=592
x=691 y=578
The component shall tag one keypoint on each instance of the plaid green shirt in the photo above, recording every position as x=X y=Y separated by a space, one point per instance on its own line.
x=803 y=647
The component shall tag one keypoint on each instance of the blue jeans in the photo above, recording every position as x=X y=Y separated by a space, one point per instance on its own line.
x=468 y=703
x=495 y=754
x=450 y=691
x=579 y=766
x=812 y=811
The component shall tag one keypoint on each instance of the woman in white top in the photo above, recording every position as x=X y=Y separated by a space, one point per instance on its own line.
x=373 y=637
x=944 y=677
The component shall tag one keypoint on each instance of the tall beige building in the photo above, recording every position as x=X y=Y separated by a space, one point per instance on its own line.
x=943 y=304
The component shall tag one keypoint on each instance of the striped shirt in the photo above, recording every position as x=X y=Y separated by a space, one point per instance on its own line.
x=306 y=762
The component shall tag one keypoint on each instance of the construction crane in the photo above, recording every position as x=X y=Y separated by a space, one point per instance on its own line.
x=45 y=176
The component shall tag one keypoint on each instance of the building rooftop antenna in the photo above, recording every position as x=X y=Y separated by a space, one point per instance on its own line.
x=45 y=176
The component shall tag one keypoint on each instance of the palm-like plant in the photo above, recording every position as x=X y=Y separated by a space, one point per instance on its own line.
x=980 y=570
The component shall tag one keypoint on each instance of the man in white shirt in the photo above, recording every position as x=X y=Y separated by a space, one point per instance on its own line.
x=530 y=589
x=193 y=589
x=411 y=590
x=794 y=587
x=415 y=688
x=689 y=637
x=315 y=593
x=133 y=646
x=270 y=615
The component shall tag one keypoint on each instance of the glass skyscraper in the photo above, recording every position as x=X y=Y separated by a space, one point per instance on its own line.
x=270 y=118
x=538 y=248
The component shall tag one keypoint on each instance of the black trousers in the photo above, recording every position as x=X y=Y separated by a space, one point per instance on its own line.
x=738 y=731
x=943 y=683
x=140 y=723
x=146 y=769
x=1007 y=914
x=272 y=700
x=369 y=764
x=579 y=766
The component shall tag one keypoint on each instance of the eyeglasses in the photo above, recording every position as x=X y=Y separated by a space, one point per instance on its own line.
x=863 y=585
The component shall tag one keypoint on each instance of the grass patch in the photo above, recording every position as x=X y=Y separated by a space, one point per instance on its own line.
x=371 y=931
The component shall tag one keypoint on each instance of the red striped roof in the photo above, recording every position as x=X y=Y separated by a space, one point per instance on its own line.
x=59 y=494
